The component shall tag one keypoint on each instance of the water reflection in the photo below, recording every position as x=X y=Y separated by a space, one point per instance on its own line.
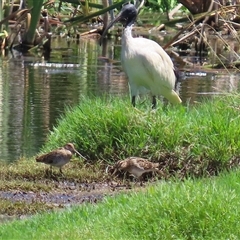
x=194 y=88
x=33 y=96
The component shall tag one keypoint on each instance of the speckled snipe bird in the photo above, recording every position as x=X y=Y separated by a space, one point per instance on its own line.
x=136 y=166
x=59 y=157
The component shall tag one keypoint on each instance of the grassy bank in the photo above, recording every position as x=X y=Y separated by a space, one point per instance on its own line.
x=196 y=141
x=201 y=139
x=192 y=209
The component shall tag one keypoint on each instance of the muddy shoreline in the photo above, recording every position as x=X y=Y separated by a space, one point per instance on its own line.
x=66 y=194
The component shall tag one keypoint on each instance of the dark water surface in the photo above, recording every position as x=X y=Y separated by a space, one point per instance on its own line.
x=34 y=93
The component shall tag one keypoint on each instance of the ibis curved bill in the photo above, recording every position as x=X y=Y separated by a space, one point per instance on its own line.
x=144 y=61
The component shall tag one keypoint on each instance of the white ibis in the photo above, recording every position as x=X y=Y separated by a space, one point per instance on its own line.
x=144 y=61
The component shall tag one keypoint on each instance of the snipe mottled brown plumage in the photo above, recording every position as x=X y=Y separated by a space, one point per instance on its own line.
x=59 y=157
x=136 y=166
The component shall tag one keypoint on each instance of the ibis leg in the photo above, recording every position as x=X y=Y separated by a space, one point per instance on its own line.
x=154 y=102
x=134 y=101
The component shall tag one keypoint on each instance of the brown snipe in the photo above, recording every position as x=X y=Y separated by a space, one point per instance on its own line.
x=136 y=166
x=59 y=157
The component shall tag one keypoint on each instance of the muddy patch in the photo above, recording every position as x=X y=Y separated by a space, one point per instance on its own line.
x=65 y=194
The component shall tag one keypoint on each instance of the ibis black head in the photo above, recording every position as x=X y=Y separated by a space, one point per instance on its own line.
x=127 y=17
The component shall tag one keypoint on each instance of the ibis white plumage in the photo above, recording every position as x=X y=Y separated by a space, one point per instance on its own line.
x=144 y=61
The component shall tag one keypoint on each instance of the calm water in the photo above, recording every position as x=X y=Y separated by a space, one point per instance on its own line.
x=33 y=96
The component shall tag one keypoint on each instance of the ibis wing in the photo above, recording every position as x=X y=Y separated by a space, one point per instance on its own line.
x=154 y=58
x=158 y=68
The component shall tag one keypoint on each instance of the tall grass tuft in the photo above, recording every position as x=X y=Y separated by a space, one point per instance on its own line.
x=111 y=129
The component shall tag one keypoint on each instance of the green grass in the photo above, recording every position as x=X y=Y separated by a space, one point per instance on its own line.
x=189 y=209
x=187 y=141
x=111 y=129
